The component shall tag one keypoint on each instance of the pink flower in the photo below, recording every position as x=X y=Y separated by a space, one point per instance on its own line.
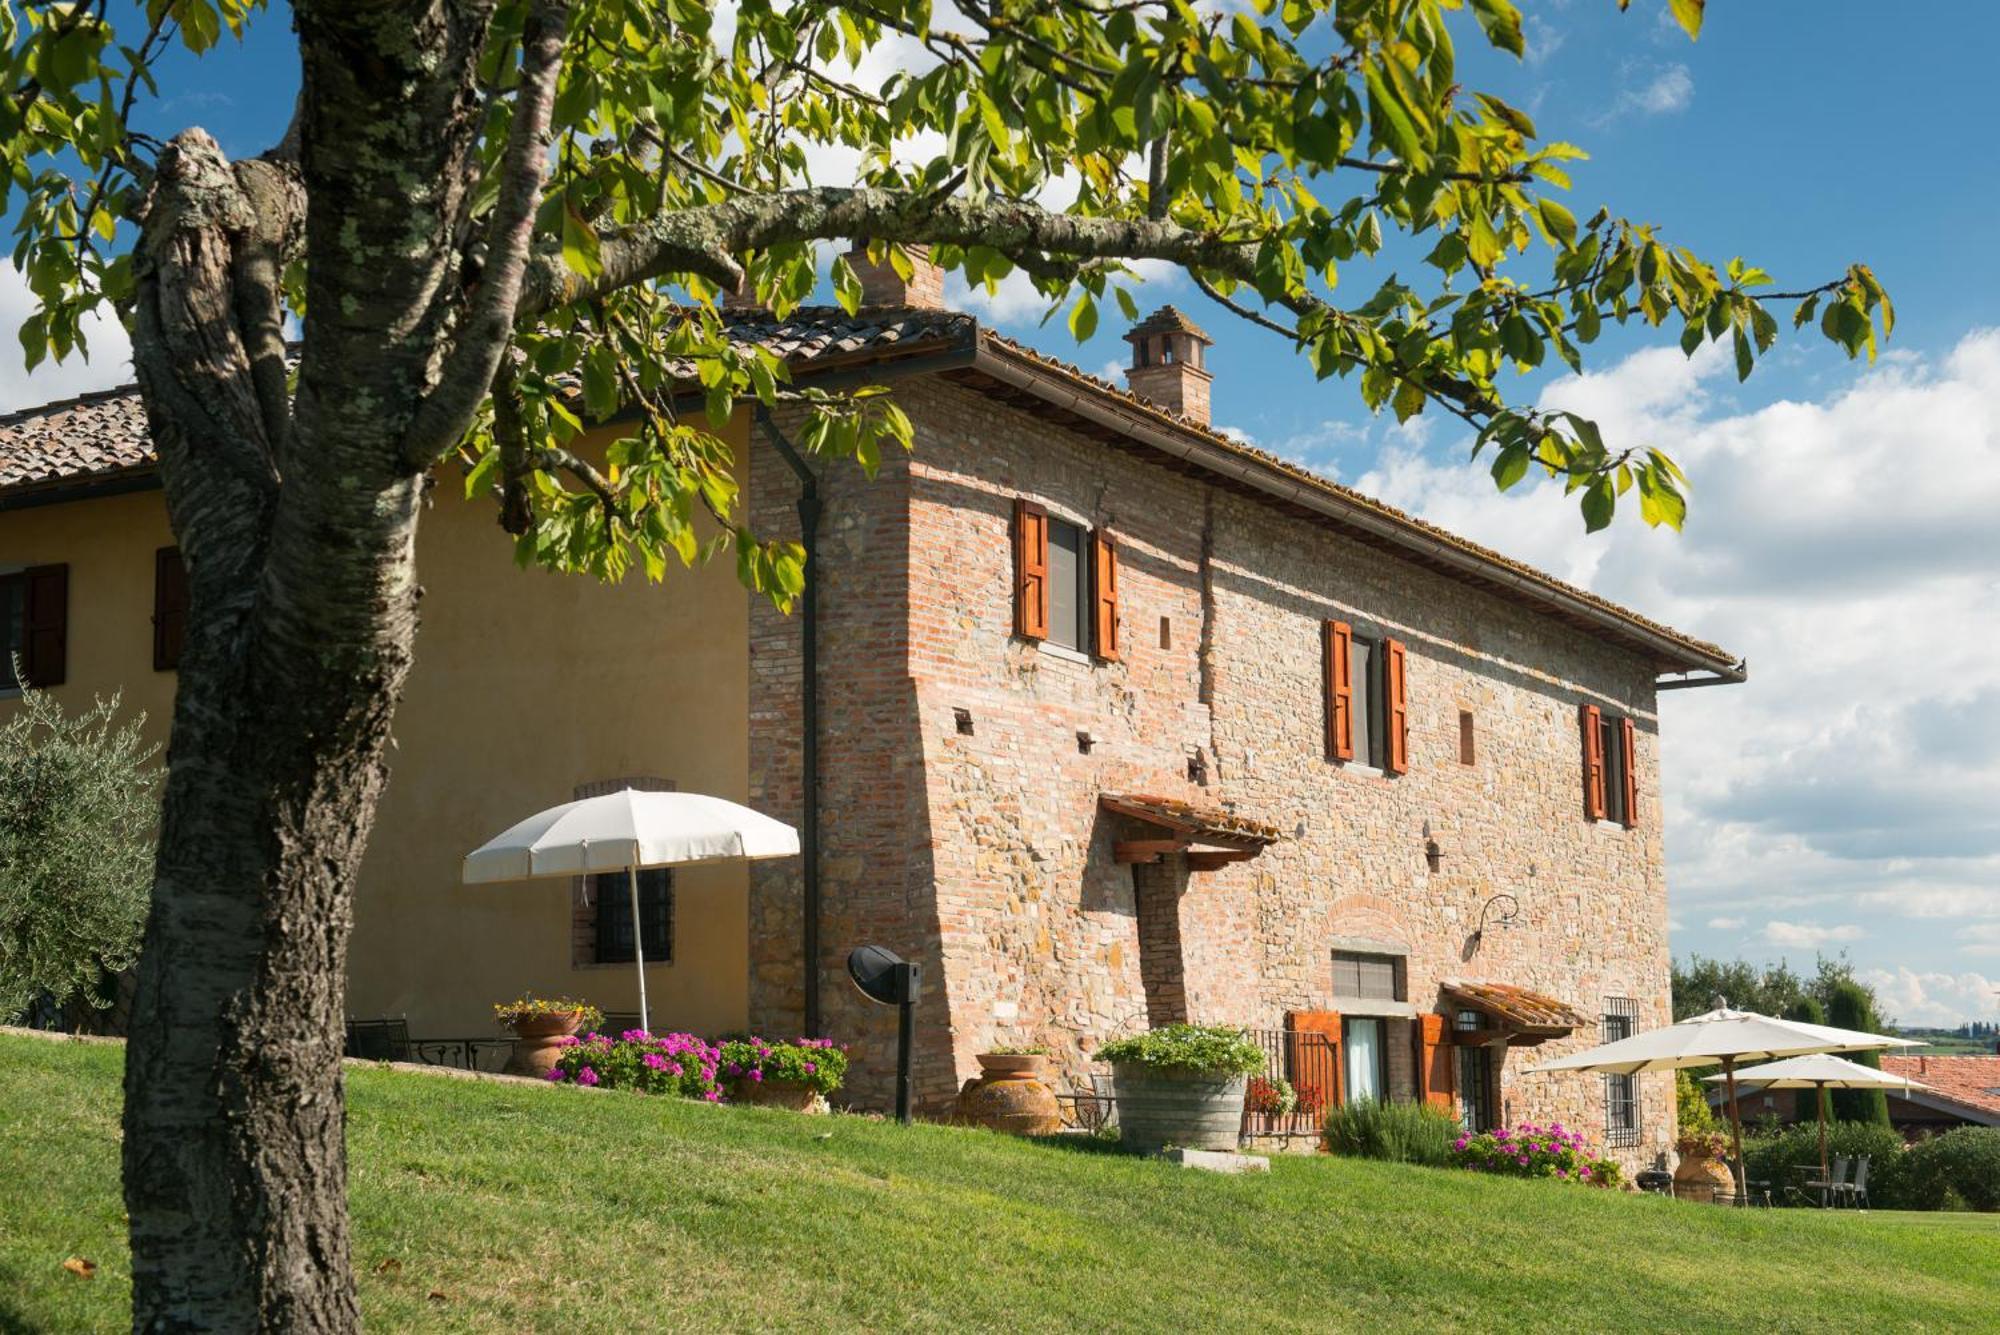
x=568 y=1041
x=756 y=1075
x=655 y=1060
x=586 y=1076
x=555 y=1075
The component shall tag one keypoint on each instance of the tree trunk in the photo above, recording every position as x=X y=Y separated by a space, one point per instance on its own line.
x=297 y=515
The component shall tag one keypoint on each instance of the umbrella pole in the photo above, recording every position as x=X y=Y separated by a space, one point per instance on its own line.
x=1736 y=1130
x=1819 y=1106
x=638 y=946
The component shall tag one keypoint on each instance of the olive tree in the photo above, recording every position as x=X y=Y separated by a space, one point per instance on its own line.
x=78 y=801
x=495 y=220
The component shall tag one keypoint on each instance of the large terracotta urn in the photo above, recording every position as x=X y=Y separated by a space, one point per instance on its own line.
x=1703 y=1173
x=1011 y=1095
x=538 y=1041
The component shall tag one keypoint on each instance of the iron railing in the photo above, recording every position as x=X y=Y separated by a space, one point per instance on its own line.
x=1297 y=1085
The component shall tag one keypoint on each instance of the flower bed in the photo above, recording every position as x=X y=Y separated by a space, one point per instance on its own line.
x=1530 y=1150
x=690 y=1067
x=811 y=1063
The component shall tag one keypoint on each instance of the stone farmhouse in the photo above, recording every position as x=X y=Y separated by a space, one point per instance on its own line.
x=1117 y=722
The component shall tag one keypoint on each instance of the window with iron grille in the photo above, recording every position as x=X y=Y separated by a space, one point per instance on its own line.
x=1370 y=977
x=614 y=915
x=1621 y=1092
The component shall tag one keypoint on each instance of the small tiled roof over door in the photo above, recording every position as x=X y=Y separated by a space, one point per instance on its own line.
x=1516 y=1008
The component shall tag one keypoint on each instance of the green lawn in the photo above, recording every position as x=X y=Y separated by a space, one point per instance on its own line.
x=502 y=1207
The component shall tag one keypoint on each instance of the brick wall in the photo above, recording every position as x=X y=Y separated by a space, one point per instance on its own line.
x=986 y=856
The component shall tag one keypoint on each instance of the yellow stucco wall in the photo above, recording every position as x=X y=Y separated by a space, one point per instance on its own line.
x=526 y=685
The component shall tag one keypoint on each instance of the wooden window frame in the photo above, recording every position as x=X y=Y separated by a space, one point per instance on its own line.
x=1591 y=721
x=1610 y=767
x=44 y=646
x=1104 y=591
x=1031 y=569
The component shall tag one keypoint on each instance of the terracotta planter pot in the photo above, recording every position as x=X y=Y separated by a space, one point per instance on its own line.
x=779 y=1094
x=1703 y=1174
x=538 y=1041
x=1020 y=1107
x=1190 y=1110
x=1014 y=1066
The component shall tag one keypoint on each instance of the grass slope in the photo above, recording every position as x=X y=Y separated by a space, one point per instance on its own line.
x=498 y=1208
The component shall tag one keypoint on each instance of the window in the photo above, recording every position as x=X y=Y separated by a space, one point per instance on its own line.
x=170 y=608
x=1366 y=1068
x=1367 y=714
x=1610 y=778
x=1466 y=755
x=613 y=895
x=1475 y=1088
x=1068 y=594
x=1621 y=1092
x=34 y=625
x=1368 y=977
x=1065 y=582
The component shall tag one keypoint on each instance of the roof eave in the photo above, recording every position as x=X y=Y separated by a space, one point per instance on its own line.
x=1691 y=664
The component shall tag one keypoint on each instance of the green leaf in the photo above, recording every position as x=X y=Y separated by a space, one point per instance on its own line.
x=579 y=244
x=600 y=382
x=1502 y=24
x=846 y=285
x=1600 y=502
x=1083 y=318
x=1557 y=221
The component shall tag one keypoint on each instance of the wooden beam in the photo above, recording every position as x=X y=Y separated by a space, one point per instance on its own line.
x=1145 y=850
x=1208 y=859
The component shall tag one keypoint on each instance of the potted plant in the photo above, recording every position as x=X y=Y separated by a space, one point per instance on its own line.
x=540 y=1024
x=1007 y=1062
x=1703 y=1163
x=1181 y=1085
x=796 y=1075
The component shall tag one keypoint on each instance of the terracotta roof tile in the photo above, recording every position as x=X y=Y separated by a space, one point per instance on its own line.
x=1516 y=1007
x=1971 y=1080
x=1196 y=821
x=94 y=435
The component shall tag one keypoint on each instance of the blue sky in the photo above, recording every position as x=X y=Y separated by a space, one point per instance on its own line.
x=1848 y=798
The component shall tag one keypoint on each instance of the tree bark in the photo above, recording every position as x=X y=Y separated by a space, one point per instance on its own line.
x=298 y=521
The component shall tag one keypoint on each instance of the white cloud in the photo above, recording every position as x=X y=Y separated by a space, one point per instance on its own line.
x=1656 y=92
x=1845 y=546
x=1014 y=297
x=1807 y=935
x=109 y=364
x=1237 y=434
x=1725 y=924
x=1909 y=997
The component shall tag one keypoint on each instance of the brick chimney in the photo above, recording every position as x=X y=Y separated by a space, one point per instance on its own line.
x=881 y=285
x=1167 y=356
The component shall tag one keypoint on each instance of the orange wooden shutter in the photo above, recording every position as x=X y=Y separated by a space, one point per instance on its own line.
x=1104 y=594
x=45 y=647
x=1434 y=1073
x=1031 y=570
x=1339 y=657
x=1593 y=763
x=170 y=608
x=1399 y=710
x=1629 y=754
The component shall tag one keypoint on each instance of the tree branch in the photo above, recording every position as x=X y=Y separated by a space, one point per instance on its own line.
x=483 y=340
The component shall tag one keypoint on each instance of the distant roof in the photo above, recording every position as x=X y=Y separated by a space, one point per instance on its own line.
x=1972 y=1082
x=100 y=441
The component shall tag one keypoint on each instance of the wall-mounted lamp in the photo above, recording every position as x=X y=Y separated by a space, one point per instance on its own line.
x=1433 y=855
x=1500 y=910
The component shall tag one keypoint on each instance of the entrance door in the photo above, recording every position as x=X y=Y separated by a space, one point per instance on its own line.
x=1367 y=1059
x=1475 y=1088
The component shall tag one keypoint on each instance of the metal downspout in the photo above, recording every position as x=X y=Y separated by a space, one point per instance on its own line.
x=809 y=513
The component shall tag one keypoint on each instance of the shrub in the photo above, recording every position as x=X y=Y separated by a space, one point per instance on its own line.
x=814 y=1063
x=1957 y=1170
x=1782 y=1159
x=676 y=1064
x=1529 y=1150
x=1018 y=1050
x=1395 y=1132
x=77 y=810
x=1691 y=1108
x=1188 y=1048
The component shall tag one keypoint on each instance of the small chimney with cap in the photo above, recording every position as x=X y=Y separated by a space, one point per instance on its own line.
x=881 y=285
x=1168 y=350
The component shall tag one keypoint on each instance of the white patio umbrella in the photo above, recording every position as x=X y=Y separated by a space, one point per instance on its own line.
x=629 y=831
x=1820 y=1071
x=1720 y=1036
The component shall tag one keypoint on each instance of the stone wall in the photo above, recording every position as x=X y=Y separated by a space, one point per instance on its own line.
x=979 y=846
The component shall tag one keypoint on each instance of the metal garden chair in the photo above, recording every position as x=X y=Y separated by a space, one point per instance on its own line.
x=1831 y=1187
